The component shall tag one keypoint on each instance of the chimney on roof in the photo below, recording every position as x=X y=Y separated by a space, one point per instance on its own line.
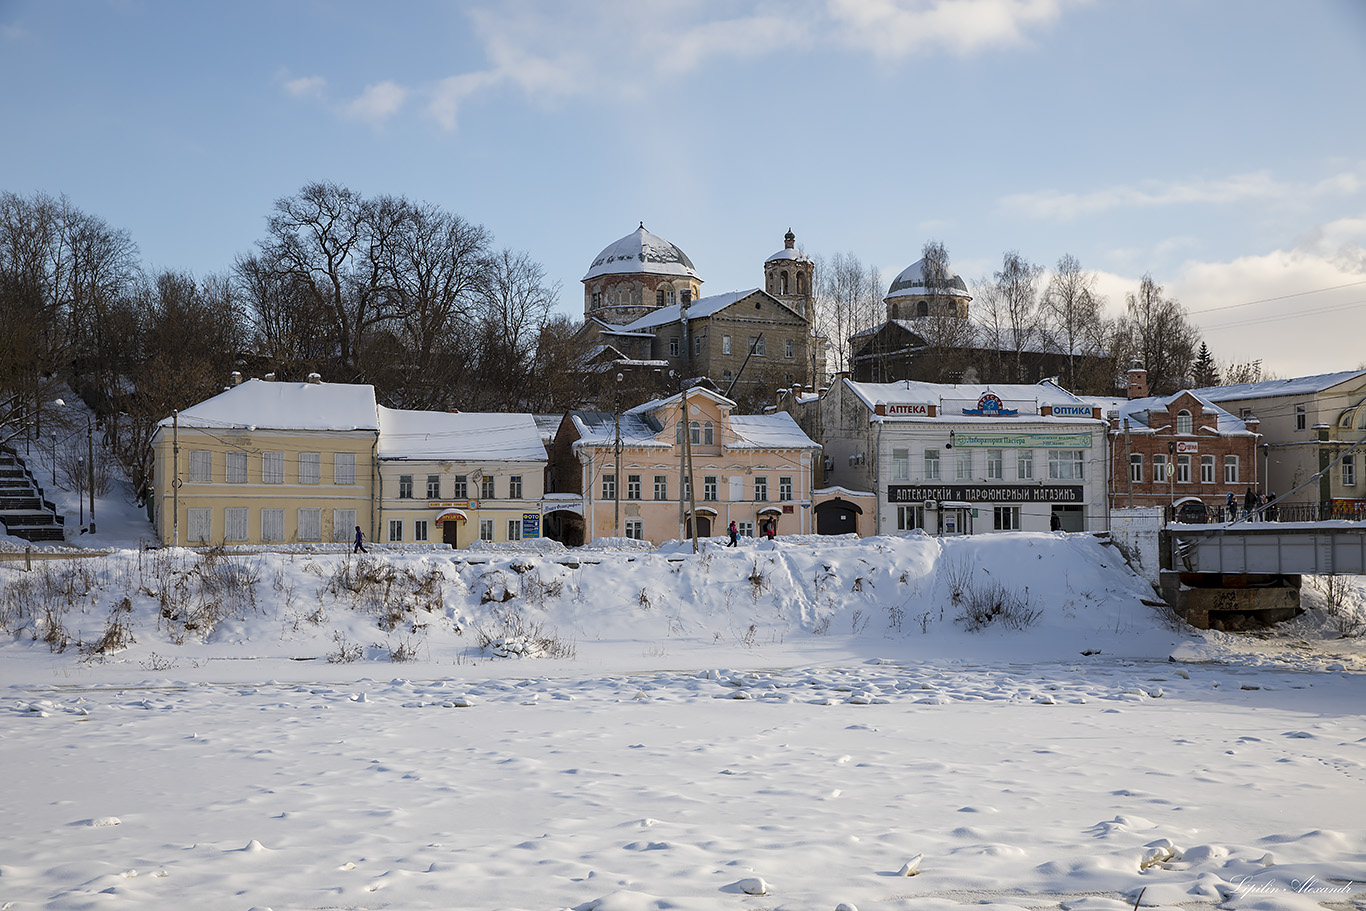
x=315 y=378
x=1138 y=382
x=269 y=377
x=237 y=377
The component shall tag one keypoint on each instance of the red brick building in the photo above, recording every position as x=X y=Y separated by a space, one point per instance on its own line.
x=1167 y=450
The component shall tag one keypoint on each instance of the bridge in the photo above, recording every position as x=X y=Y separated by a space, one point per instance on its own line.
x=1243 y=575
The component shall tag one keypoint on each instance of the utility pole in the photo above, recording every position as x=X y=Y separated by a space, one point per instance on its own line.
x=616 y=486
x=1128 y=463
x=175 y=478
x=687 y=459
x=90 y=449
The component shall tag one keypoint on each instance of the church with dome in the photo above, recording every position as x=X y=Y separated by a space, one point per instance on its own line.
x=644 y=311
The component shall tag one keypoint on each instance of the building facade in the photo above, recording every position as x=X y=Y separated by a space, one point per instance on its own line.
x=637 y=476
x=459 y=477
x=1311 y=430
x=267 y=463
x=967 y=459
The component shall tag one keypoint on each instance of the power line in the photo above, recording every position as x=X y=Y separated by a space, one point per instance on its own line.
x=1267 y=300
x=1280 y=316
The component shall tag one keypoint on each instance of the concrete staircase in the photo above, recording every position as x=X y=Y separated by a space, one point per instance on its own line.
x=23 y=511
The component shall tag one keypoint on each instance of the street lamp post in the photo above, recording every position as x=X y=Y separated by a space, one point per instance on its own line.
x=80 y=492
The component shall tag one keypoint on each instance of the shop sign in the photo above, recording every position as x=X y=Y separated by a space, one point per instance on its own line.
x=918 y=409
x=1187 y=446
x=991 y=406
x=531 y=525
x=1071 y=411
x=986 y=493
x=1022 y=440
x=452 y=504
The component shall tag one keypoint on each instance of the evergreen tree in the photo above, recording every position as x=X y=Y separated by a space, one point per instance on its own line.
x=1204 y=370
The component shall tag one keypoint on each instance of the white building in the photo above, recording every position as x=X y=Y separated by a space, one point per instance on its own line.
x=967 y=459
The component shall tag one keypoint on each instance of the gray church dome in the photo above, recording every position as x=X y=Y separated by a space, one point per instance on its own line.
x=643 y=252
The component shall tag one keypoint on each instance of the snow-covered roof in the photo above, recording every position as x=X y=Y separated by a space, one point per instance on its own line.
x=637 y=428
x=952 y=398
x=768 y=431
x=975 y=335
x=702 y=307
x=911 y=282
x=483 y=436
x=268 y=405
x=641 y=251
x=789 y=254
x=1304 y=385
x=1137 y=412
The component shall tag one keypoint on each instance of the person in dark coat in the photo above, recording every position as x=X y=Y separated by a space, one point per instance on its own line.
x=1231 y=505
x=360 y=538
x=1250 y=505
x=734 y=532
x=771 y=527
x=1054 y=522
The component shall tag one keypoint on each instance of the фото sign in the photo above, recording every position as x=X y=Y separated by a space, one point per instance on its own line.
x=531 y=525
x=986 y=493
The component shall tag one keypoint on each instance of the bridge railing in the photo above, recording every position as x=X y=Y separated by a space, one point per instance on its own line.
x=1283 y=512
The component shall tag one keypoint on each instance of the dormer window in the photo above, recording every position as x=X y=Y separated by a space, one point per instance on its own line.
x=1184 y=424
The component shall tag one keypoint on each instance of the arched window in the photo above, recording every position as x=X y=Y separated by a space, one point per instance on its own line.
x=801 y=283
x=922 y=308
x=708 y=434
x=695 y=433
x=782 y=282
x=1183 y=421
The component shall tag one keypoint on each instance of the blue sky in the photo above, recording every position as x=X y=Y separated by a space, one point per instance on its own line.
x=1218 y=144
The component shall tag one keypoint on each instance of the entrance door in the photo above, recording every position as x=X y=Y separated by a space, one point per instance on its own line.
x=1070 y=518
x=703 y=527
x=449 y=529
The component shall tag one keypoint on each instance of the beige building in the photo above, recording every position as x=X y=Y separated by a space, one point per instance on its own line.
x=459 y=477
x=268 y=463
x=1309 y=426
x=744 y=468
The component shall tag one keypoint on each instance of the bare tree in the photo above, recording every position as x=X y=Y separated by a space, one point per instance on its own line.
x=847 y=301
x=1073 y=316
x=1162 y=337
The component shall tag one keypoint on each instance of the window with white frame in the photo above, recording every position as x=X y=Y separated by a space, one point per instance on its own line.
x=757 y=345
x=746 y=529
x=1349 y=470
x=310 y=524
x=343 y=468
x=1159 y=468
x=1184 y=423
x=725 y=344
x=343 y=521
x=235 y=523
x=201 y=466
x=633 y=487
x=789 y=348
x=461 y=488
x=1207 y=469
x=515 y=487
x=1024 y=465
x=272 y=468
x=236 y=468
x=1183 y=469
x=514 y=529
x=635 y=528
x=910 y=517
x=784 y=488
x=995 y=464
x=485 y=529
x=609 y=487
x=962 y=465
x=1301 y=417
x=901 y=464
x=1136 y=467
x=405 y=487
x=272 y=524
x=1230 y=469
x=1065 y=464
x=760 y=489
x=931 y=464
x=709 y=487
x=673 y=346
x=433 y=486
x=486 y=487
x=661 y=487
x=310 y=468
x=697 y=344
x=395 y=529
x=708 y=434
x=1006 y=518
x=200 y=528
x=420 y=530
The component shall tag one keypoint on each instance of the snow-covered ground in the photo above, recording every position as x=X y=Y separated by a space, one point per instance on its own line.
x=803 y=724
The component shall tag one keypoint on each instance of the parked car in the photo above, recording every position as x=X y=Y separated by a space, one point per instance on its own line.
x=1192 y=512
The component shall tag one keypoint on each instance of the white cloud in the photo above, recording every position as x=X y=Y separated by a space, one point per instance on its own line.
x=377 y=103
x=306 y=87
x=899 y=28
x=1053 y=204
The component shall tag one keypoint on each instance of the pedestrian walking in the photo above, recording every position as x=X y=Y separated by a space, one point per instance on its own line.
x=1232 y=506
x=771 y=527
x=360 y=538
x=1272 y=510
x=1250 y=505
x=734 y=532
